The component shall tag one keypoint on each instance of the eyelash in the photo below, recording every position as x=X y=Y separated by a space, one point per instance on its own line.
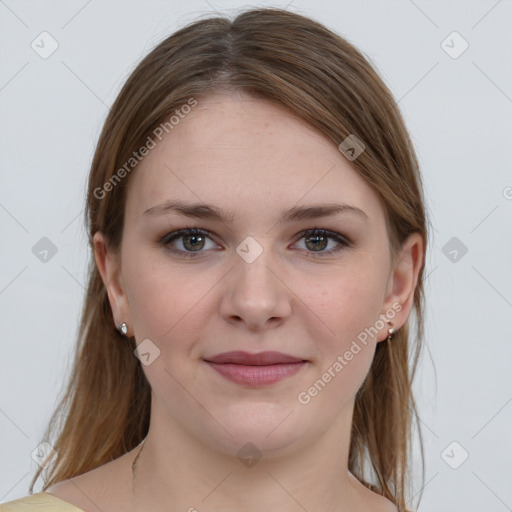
x=170 y=237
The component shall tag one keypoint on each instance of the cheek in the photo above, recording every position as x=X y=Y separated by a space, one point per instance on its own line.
x=166 y=301
x=347 y=302
x=348 y=305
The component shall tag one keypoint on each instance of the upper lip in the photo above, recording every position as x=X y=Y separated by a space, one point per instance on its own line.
x=259 y=359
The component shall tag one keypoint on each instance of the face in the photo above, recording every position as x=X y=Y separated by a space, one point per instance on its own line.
x=311 y=288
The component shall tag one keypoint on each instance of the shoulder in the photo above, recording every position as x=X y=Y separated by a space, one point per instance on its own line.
x=373 y=500
x=105 y=488
x=384 y=505
x=38 y=502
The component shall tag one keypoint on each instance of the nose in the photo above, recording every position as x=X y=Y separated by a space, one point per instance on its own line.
x=256 y=293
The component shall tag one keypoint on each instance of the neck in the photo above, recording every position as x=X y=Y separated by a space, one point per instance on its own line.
x=173 y=470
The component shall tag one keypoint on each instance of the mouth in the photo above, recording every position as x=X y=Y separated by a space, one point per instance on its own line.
x=255 y=370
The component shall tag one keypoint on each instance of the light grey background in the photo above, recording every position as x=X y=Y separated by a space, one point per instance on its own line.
x=459 y=113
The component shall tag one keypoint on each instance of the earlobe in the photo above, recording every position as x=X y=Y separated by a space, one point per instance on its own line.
x=109 y=268
x=403 y=281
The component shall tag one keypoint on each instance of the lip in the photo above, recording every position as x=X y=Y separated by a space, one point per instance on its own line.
x=255 y=370
x=258 y=359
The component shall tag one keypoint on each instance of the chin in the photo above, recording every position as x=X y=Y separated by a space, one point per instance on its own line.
x=271 y=429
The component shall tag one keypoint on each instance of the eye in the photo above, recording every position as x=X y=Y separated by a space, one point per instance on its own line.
x=317 y=239
x=193 y=240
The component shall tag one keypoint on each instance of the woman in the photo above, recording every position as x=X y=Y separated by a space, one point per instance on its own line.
x=256 y=216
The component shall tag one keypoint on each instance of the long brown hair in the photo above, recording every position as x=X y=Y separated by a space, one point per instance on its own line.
x=298 y=63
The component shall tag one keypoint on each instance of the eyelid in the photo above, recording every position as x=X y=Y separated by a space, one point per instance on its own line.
x=341 y=240
x=180 y=233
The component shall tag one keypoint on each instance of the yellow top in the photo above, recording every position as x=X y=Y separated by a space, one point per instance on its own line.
x=42 y=501
x=39 y=502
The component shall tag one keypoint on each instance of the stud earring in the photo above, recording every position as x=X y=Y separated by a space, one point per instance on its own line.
x=123 y=329
x=391 y=332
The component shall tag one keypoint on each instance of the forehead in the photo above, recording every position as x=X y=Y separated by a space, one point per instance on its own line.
x=249 y=155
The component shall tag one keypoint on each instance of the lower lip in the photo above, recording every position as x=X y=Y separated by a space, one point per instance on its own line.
x=256 y=375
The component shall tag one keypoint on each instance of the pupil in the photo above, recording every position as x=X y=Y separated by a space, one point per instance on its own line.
x=193 y=237
x=317 y=237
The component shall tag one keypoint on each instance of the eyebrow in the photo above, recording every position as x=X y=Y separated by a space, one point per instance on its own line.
x=297 y=213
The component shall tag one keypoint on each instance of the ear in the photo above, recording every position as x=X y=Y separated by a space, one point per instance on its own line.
x=402 y=283
x=109 y=266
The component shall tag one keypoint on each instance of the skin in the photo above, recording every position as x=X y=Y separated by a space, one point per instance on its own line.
x=254 y=158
